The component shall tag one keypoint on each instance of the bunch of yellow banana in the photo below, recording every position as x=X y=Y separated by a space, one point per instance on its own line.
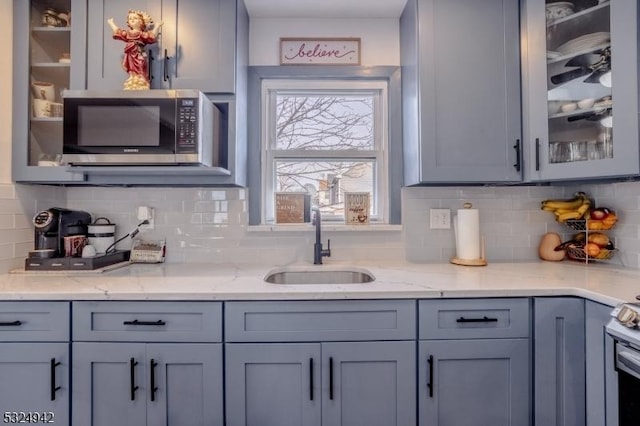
x=577 y=207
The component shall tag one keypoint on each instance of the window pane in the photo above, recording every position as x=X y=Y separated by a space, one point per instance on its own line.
x=326 y=181
x=327 y=122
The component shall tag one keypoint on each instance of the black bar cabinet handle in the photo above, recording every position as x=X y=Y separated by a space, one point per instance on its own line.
x=483 y=319
x=137 y=322
x=132 y=378
x=166 y=61
x=54 y=388
x=154 y=388
x=311 y=379
x=11 y=324
x=517 y=148
x=430 y=379
x=331 y=378
x=537 y=154
x=149 y=76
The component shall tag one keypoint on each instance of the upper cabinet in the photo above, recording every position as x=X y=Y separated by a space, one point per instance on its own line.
x=581 y=89
x=202 y=45
x=461 y=91
x=48 y=58
x=196 y=47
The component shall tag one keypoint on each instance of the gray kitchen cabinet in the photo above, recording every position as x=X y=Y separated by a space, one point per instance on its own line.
x=38 y=52
x=474 y=382
x=473 y=362
x=578 y=123
x=34 y=362
x=147 y=383
x=598 y=344
x=559 y=361
x=156 y=363
x=461 y=91
x=287 y=363
x=273 y=384
x=196 y=48
x=209 y=52
x=338 y=383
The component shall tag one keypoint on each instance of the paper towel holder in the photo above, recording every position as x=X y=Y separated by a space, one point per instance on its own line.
x=471 y=262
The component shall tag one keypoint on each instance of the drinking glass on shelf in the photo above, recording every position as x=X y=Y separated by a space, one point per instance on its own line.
x=578 y=151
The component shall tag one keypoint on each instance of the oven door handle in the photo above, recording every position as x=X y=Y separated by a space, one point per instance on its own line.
x=630 y=361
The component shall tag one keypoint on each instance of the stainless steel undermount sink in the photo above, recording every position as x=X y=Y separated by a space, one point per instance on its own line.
x=319 y=275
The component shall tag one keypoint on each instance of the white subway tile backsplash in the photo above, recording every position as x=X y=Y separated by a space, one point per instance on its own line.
x=7 y=251
x=211 y=225
x=7 y=192
x=7 y=221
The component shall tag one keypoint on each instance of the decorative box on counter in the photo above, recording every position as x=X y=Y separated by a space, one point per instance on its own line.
x=356 y=208
x=293 y=207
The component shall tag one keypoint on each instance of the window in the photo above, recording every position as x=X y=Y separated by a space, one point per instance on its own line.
x=325 y=138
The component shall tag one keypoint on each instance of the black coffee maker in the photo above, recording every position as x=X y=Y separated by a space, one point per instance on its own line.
x=52 y=225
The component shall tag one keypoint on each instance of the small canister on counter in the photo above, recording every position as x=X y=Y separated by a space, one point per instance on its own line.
x=101 y=235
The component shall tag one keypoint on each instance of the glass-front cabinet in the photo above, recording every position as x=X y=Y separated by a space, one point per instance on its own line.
x=581 y=97
x=46 y=46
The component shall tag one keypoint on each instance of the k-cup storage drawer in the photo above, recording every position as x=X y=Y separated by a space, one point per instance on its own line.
x=473 y=318
x=34 y=321
x=302 y=321
x=147 y=321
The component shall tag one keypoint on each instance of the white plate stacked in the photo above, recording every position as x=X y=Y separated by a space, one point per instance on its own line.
x=584 y=42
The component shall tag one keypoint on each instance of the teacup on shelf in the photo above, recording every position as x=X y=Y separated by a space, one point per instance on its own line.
x=44 y=90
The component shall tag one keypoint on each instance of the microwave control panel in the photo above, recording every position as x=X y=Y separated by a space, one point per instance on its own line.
x=187 y=130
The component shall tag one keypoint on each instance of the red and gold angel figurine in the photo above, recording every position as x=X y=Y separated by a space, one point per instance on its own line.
x=140 y=33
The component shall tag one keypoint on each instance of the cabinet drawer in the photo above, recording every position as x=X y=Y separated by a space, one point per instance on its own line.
x=473 y=318
x=303 y=321
x=34 y=321
x=147 y=321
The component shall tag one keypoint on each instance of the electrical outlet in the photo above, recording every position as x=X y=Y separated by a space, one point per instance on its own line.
x=440 y=218
x=148 y=214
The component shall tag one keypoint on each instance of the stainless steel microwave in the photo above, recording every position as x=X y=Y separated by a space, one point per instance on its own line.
x=146 y=127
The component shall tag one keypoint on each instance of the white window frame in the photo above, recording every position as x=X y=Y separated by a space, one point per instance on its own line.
x=269 y=156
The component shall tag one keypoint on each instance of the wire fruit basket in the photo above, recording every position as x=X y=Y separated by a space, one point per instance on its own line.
x=578 y=253
x=589 y=225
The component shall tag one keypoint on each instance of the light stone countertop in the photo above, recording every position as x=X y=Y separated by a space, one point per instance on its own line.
x=598 y=282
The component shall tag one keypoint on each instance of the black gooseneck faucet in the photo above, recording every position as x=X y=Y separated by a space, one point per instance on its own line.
x=318 y=251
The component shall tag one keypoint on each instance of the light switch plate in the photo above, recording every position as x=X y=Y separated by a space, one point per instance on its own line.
x=440 y=218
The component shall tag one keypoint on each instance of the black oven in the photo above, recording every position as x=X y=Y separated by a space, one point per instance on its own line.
x=627 y=363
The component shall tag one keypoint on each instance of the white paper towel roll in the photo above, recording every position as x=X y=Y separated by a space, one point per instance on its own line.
x=468 y=234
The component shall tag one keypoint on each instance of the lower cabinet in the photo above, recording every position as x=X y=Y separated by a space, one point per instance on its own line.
x=147 y=384
x=474 y=382
x=34 y=363
x=600 y=370
x=559 y=361
x=309 y=376
x=433 y=362
x=35 y=383
x=474 y=362
x=147 y=363
x=295 y=384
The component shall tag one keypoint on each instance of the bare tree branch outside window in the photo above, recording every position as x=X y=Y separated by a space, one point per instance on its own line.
x=326 y=123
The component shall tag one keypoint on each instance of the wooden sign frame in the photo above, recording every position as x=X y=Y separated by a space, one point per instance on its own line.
x=319 y=51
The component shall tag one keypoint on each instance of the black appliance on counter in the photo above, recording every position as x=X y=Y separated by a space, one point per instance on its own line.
x=52 y=225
